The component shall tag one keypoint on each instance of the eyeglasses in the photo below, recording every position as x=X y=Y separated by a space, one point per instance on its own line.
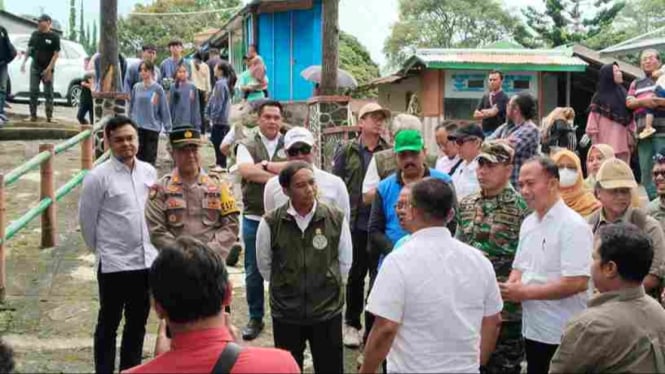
x=294 y=151
x=464 y=140
x=658 y=173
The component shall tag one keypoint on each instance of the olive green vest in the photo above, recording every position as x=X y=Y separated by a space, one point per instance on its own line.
x=386 y=162
x=354 y=173
x=252 y=192
x=305 y=280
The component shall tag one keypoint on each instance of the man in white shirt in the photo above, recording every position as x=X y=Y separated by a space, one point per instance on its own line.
x=299 y=144
x=449 y=159
x=552 y=265
x=259 y=158
x=304 y=249
x=436 y=301
x=111 y=215
x=469 y=138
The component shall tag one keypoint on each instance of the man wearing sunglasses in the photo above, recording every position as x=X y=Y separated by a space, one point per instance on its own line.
x=490 y=221
x=468 y=139
x=299 y=144
x=615 y=183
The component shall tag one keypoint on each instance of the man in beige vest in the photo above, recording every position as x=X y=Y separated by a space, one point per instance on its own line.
x=623 y=330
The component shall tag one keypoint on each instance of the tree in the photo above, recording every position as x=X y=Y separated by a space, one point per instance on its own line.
x=135 y=30
x=94 y=39
x=564 y=22
x=330 y=47
x=72 y=20
x=447 y=24
x=354 y=58
x=83 y=38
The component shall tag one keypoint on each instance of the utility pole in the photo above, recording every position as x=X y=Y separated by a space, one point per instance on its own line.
x=330 y=47
x=110 y=74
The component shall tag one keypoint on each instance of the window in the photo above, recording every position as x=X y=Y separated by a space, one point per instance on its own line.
x=475 y=83
x=521 y=84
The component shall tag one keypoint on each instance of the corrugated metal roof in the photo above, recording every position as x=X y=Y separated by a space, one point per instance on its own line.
x=595 y=57
x=513 y=59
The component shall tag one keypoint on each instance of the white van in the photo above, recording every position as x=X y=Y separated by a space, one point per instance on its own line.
x=69 y=71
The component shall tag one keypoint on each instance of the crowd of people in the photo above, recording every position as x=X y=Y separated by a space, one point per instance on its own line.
x=497 y=253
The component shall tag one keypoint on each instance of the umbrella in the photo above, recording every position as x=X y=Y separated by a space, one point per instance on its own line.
x=344 y=78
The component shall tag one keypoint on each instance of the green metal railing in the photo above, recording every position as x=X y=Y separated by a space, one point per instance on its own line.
x=48 y=195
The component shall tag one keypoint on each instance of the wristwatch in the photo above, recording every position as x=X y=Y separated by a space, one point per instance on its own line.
x=264 y=165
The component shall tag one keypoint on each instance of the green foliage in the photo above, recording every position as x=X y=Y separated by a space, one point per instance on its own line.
x=72 y=20
x=354 y=58
x=136 y=30
x=563 y=21
x=83 y=37
x=447 y=24
x=91 y=48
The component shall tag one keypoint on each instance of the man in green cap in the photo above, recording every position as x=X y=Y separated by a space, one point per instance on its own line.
x=188 y=201
x=384 y=226
x=490 y=221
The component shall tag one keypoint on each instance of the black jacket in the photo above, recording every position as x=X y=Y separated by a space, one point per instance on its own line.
x=7 y=50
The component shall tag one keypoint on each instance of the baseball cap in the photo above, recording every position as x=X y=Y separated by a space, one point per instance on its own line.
x=496 y=152
x=298 y=135
x=44 y=18
x=409 y=140
x=183 y=136
x=615 y=173
x=471 y=130
x=371 y=108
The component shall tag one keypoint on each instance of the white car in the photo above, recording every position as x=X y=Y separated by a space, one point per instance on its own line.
x=69 y=71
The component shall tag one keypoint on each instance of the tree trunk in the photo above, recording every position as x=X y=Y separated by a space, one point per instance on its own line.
x=110 y=74
x=330 y=47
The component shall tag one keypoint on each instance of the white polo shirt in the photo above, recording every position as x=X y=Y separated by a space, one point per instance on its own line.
x=559 y=245
x=438 y=289
x=465 y=179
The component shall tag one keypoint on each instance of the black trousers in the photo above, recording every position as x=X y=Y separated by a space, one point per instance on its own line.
x=85 y=108
x=217 y=134
x=148 y=145
x=125 y=291
x=538 y=356
x=355 y=287
x=325 y=342
x=202 y=107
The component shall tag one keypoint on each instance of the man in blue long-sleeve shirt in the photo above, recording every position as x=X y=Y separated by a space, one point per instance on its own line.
x=148 y=53
x=217 y=111
x=169 y=66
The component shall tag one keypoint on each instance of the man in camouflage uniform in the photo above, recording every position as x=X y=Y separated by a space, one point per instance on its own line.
x=490 y=221
x=188 y=201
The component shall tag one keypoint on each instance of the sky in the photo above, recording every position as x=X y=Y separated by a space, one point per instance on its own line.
x=367 y=20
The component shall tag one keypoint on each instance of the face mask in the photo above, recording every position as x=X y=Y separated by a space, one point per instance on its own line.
x=567 y=177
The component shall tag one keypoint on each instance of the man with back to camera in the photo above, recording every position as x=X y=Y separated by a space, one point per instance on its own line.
x=190 y=288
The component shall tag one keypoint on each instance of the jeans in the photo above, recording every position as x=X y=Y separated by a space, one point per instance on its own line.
x=217 y=134
x=647 y=148
x=325 y=341
x=148 y=145
x=35 y=79
x=121 y=291
x=253 y=279
x=355 y=287
x=538 y=356
x=4 y=78
x=202 y=108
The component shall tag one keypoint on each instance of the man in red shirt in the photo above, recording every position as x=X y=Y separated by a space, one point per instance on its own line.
x=189 y=285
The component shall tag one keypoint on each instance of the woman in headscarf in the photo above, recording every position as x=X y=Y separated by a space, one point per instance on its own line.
x=597 y=154
x=609 y=121
x=571 y=184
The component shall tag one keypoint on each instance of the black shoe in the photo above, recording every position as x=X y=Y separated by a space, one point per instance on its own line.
x=234 y=255
x=33 y=118
x=253 y=329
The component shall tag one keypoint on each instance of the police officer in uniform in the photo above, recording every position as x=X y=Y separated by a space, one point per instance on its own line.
x=304 y=249
x=490 y=220
x=188 y=201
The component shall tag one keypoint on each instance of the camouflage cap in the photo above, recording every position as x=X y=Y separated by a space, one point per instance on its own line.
x=496 y=152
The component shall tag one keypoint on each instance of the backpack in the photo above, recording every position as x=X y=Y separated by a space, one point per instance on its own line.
x=11 y=50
